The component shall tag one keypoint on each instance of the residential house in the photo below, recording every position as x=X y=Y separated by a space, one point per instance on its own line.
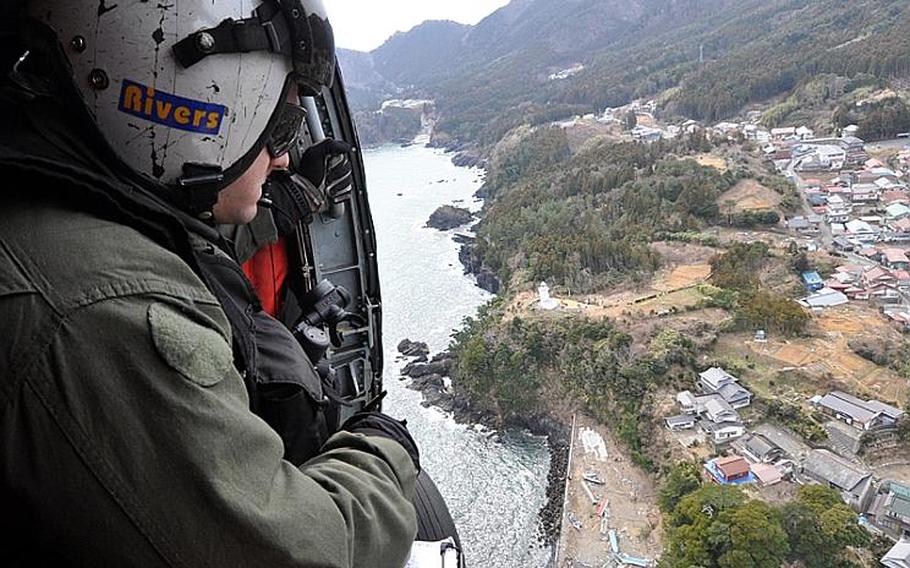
x=832 y=156
x=897 y=211
x=713 y=406
x=898 y=556
x=825 y=298
x=887 y=183
x=877 y=275
x=759 y=449
x=898 y=231
x=861 y=414
x=687 y=402
x=804 y=225
x=783 y=133
x=717 y=380
x=902 y=278
x=855 y=148
x=718 y=411
x=881 y=285
x=838 y=211
x=890 y=509
x=852 y=481
x=646 y=134
x=862 y=231
x=892 y=197
x=681 y=422
x=844 y=244
x=816 y=198
x=813 y=281
x=895 y=259
x=870 y=252
x=840 y=281
x=873 y=163
x=721 y=433
x=864 y=193
x=766 y=474
x=732 y=468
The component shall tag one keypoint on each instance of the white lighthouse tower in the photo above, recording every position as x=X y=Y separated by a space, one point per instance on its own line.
x=546 y=302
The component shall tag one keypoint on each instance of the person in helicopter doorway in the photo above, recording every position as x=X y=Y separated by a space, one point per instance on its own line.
x=135 y=355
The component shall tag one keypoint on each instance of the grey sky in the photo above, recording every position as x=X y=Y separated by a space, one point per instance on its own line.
x=365 y=24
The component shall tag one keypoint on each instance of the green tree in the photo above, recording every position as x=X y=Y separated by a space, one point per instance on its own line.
x=756 y=538
x=684 y=478
x=820 y=527
x=738 y=268
x=630 y=120
x=763 y=309
x=716 y=527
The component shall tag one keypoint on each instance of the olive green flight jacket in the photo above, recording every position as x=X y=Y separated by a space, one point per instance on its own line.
x=125 y=433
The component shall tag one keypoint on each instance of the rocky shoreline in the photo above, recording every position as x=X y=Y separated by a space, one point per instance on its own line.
x=448 y=217
x=431 y=376
x=473 y=264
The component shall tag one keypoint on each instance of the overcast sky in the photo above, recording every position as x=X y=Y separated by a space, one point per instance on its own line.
x=365 y=24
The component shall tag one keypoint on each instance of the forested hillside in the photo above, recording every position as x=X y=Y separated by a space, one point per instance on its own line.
x=706 y=58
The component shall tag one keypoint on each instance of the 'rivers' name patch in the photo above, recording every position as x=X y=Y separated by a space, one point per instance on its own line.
x=163 y=108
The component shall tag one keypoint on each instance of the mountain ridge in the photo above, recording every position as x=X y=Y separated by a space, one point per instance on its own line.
x=717 y=55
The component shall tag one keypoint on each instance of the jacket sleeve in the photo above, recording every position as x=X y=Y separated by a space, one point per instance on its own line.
x=137 y=398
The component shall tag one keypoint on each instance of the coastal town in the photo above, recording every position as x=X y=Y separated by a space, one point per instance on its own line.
x=853 y=210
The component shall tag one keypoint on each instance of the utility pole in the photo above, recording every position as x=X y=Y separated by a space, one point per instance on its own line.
x=701 y=54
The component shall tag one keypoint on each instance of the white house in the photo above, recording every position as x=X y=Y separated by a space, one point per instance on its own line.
x=899 y=555
x=897 y=211
x=861 y=231
x=722 y=432
x=717 y=381
x=783 y=133
x=718 y=410
x=825 y=298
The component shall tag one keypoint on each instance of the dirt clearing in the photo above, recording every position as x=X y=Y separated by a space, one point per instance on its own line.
x=748 y=195
x=821 y=362
x=627 y=497
x=712 y=161
x=683 y=277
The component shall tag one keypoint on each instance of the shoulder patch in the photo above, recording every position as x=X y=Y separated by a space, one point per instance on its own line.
x=196 y=351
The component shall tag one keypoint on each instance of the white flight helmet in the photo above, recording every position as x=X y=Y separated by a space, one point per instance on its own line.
x=187 y=92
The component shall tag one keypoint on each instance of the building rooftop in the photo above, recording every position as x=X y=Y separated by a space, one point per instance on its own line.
x=759 y=446
x=712 y=427
x=734 y=393
x=792 y=444
x=681 y=420
x=715 y=377
x=898 y=556
x=767 y=474
x=848 y=405
x=886 y=409
x=733 y=466
x=829 y=467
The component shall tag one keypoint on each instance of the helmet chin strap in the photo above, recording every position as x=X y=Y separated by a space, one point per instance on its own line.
x=199 y=188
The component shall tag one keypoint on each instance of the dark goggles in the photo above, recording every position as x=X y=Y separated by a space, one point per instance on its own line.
x=286 y=130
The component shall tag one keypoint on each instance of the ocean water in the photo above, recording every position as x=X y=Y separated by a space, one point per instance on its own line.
x=494 y=483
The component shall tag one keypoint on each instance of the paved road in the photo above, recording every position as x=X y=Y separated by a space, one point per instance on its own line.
x=825 y=235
